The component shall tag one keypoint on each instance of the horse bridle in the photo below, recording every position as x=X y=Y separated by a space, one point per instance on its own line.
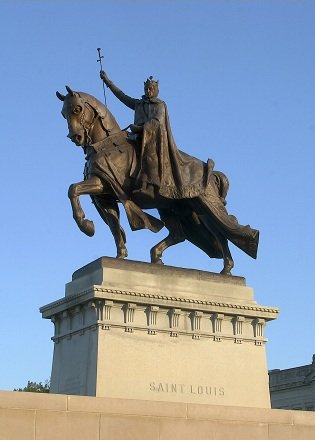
x=87 y=128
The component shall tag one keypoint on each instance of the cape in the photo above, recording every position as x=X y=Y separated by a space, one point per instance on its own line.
x=176 y=174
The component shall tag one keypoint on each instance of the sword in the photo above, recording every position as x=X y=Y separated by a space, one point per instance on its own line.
x=100 y=61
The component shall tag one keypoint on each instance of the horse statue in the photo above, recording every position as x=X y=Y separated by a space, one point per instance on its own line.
x=113 y=161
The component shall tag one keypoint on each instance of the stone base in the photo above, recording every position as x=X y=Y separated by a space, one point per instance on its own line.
x=35 y=416
x=135 y=330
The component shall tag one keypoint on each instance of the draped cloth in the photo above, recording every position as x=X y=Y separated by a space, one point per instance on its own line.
x=176 y=174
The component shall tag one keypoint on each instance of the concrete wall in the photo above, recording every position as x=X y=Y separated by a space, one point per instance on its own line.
x=31 y=416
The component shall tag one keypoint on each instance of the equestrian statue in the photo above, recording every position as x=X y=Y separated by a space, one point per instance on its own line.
x=142 y=168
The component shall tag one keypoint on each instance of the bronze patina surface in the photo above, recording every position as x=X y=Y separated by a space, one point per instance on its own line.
x=143 y=169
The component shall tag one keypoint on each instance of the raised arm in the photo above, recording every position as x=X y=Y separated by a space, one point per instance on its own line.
x=125 y=99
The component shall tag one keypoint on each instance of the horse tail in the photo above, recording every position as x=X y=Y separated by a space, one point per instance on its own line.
x=222 y=183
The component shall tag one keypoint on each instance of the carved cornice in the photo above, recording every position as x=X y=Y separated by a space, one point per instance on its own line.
x=132 y=328
x=75 y=299
x=106 y=314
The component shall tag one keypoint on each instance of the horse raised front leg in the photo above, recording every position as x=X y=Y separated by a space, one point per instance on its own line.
x=90 y=186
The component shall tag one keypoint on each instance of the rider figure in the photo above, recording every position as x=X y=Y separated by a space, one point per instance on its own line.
x=149 y=119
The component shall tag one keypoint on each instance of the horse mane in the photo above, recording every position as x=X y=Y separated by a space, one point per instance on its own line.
x=94 y=102
x=107 y=118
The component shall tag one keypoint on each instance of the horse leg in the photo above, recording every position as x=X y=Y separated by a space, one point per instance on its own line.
x=157 y=251
x=220 y=240
x=176 y=235
x=227 y=258
x=223 y=246
x=109 y=211
x=91 y=186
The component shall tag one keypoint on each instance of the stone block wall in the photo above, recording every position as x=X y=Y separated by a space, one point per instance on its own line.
x=32 y=416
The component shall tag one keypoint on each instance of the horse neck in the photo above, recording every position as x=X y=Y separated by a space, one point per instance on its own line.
x=103 y=122
x=109 y=123
x=97 y=132
x=104 y=127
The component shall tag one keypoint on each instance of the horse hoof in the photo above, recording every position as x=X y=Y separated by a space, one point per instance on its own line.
x=122 y=254
x=155 y=258
x=88 y=228
x=228 y=265
x=225 y=272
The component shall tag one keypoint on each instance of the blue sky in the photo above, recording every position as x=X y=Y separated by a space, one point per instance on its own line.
x=238 y=78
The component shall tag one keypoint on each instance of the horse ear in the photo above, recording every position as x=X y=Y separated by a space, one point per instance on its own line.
x=70 y=91
x=60 y=96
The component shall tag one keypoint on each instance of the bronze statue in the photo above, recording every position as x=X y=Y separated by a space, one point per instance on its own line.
x=144 y=169
x=163 y=168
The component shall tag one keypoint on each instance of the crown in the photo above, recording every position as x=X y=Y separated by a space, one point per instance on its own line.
x=151 y=82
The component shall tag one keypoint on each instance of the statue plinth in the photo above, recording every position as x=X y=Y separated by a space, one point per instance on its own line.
x=135 y=330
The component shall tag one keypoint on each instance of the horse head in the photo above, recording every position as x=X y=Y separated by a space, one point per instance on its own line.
x=89 y=121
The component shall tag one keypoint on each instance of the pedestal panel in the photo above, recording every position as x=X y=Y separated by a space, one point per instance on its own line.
x=140 y=331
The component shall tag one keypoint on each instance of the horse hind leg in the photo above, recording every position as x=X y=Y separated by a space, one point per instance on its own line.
x=220 y=242
x=223 y=245
x=227 y=258
x=157 y=251
x=175 y=236
x=109 y=212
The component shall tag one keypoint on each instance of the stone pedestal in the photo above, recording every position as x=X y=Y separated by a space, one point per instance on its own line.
x=134 y=330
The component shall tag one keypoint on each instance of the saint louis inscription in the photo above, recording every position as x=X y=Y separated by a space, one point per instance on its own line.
x=180 y=388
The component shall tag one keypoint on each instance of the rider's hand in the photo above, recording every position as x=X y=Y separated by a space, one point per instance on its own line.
x=104 y=77
x=136 y=128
